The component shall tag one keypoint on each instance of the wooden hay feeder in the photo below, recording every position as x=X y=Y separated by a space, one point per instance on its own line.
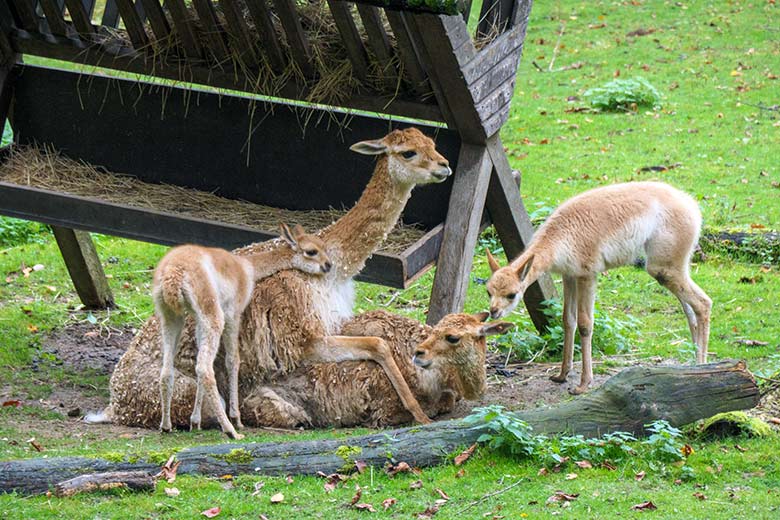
x=218 y=96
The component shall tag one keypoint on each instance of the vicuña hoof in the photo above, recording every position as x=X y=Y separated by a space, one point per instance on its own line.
x=423 y=420
x=558 y=378
x=235 y=435
x=579 y=390
x=166 y=430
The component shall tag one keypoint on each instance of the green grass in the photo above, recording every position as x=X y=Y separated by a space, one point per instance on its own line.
x=713 y=63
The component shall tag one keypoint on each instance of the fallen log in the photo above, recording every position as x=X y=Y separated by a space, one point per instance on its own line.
x=135 y=480
x=626 y=402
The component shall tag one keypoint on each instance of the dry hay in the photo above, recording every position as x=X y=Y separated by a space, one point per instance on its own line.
x=47 y=169
x=335 y=80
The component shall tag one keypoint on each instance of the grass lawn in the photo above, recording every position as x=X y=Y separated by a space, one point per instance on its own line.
x=716 y=65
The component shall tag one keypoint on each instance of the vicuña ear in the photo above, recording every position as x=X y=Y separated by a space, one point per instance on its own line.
x=496 y=327
x=526 y=268
x=492 y=262
x=298 y=231
x=482 y=316
x=287 y=235
x=374 y=147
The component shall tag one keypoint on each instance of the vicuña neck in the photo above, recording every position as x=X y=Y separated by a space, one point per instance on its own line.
x=267 y=263
x=356 y=235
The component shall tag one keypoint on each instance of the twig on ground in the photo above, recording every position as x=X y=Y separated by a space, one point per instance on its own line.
x=489 y=495
x=557 y=47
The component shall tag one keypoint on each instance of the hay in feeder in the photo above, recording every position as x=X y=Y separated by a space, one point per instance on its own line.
x=45 y=168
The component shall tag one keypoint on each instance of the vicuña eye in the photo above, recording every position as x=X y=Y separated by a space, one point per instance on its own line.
x=310 y=252
x=408 y=154
x=511 y=296
x=452 y=339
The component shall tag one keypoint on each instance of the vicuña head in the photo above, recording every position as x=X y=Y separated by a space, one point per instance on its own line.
x=457 y=346
x=411 y=156
x=507 y=285
x=311 y=256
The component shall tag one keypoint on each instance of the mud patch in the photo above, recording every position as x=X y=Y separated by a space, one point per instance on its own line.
x=82 y=346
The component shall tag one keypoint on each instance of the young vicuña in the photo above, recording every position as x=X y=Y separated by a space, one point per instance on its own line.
x=214 y=286
x=595 y=231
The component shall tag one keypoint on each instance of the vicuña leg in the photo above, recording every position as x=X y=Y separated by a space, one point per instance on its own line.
x=232 y=363
x=170 y=330
x=348 y=348
x=586 y=299
x=569 y=326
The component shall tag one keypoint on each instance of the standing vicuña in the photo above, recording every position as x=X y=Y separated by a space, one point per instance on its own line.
x=215 y=286
x=600 y=229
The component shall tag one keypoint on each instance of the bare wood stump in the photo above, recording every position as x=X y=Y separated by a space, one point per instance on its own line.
x=626 y=402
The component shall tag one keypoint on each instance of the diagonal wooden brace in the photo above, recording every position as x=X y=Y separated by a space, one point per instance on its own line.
x=84 y=267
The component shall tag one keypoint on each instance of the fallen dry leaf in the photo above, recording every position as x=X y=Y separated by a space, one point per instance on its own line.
x=417 y=484
x=639 y=476
x=401 y=467
x=584 y=464
x=258 y=488
x=774 y=420
x=543 y=472
x=388 y=503
x=687 y=450
x=558 y=467
x=168 y=470
x=608 y=465
x=211 y=513
x=644 y=506
x=560 y=496
x=360 y=466
x=356 y=498
x=442 y=494
x=289 y=479
x=13 y=402
x=740 y=448
x=461 y=473
x=35 y=444
x=277 y=498
x=465 y=454
x=700 y=495
x=571 y=476
x=428 y=513
x=172 y=492
x=333 y=480
x=365 y=507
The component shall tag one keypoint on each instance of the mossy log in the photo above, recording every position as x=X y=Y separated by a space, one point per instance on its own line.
x=626 y=402
x=135 y=480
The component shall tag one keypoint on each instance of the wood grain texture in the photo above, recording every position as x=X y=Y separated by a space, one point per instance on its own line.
x=54 y=17
x=626 y=402
x=133 y=23
x=350 y=37
x=157 y=20
x=184 y=27
x=261 y=15
x=84 y=267
x=81 y=20
x=132 y=480
x=296 y=38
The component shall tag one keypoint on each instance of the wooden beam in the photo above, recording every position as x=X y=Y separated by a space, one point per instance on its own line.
x=158 y=21
x=379 y=42
x=350 y=37
x=240 y=39
x=84 y=267
x=25 y=12
x=296 y=38
x=213 y=29
x=451 y=7
x=184 y=26
x=461 y=230
x=264 y=26
x=81 y=19
x=54 y=17
x=412 y=70
x=133 y=23
x=110 y=14
x=514 y=228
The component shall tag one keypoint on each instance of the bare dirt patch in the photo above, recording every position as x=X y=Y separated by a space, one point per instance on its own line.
x=83 y=346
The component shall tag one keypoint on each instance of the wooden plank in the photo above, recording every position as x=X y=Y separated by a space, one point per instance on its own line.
x=497 y=120
x=241 y=41
x=461 y=230
x=213 y=29
x=350 y=37
x=54 y=17
x=379 y=42
x=422 y=254
x=514 y=228
x=124 y=59
x=494 y=17
x=133 y=23
x=261 y=15
x=505 y=69
x=139 y=9
x=157 y=19
x=93 y=215
x=296 y=39
x=412 y=70
x=521 y=13
x=89 y=7
x=80 y=18
x=184 y=27
x=110 y=14
x=508 y=44
x=84 y=267
x=443 y=66
x=444 y=7
x=25 y=13
x=496 y=99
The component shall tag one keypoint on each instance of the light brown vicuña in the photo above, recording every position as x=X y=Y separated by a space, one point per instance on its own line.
x=293 y=317
x=598 y=230
x=442 y=365
x=214 y=287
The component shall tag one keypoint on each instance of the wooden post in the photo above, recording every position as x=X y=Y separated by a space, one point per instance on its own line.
x=84 y=267
x=509 y=216
x=461 y=230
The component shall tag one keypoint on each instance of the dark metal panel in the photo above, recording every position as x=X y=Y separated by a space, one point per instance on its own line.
x=199 y=140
